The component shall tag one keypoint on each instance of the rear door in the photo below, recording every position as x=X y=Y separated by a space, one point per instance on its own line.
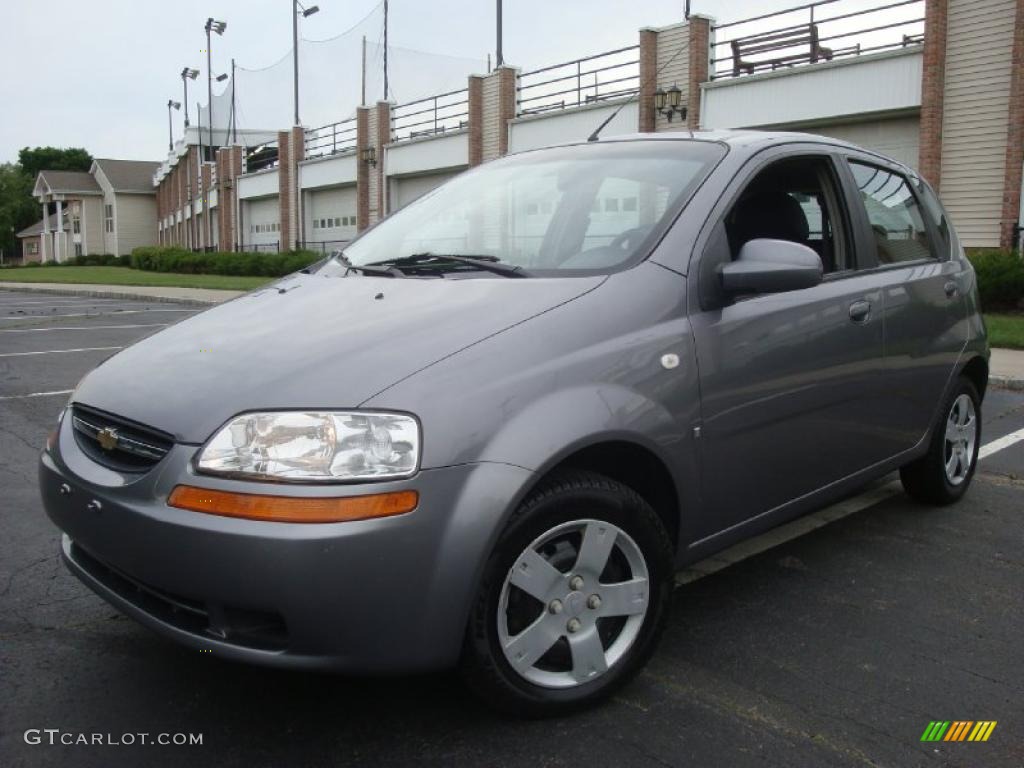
x=923 y=283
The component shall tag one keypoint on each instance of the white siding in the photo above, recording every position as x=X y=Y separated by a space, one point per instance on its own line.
x=491 y=127
x=428 y=154
x=674 y=68
x=135 y=219
x=979 y=48
x=898 y=138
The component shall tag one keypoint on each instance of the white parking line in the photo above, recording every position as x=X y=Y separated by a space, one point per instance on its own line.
x=37 y=394
x=56 y=351
x=796 y=528
x=82 y=327
x=98 y=314
x=1003 y=442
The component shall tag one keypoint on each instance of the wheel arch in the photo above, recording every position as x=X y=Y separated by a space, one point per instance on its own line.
x=976 y=369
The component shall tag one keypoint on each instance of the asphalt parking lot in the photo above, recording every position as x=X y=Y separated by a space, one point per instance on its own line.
x=834 y=648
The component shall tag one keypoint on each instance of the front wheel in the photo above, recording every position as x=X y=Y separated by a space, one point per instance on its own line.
x=573 y=598
x=943 y=475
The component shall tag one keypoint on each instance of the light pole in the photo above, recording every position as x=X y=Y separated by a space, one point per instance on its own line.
x=187 y=74
x=212 y=25
x=298 y=8
x=170 y=128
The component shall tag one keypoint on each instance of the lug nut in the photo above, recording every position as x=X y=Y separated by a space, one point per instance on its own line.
x=576 y=583
x=555 y=606
x=573 y=625
x=594 y=602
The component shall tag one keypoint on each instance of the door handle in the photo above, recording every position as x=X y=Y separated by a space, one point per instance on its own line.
x=951 y=289
x=860 y=311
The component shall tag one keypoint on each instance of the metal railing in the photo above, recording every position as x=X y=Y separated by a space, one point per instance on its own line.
x=261 y=157
x=589 y=80
x=322 y=246
x=331 y=139
x=431 y=116
x=781 y=39
x=274 y=247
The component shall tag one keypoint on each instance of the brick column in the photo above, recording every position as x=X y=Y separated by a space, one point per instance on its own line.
x=204 y=195
x=285 y=190
x=933 y=81
x=475 y=106
x=362 y=169
x=648 y=79
x=297 y=153
x=1014 y=137
x=229 y=168
x=498 y=96
x=700 y=55
x=383 y=138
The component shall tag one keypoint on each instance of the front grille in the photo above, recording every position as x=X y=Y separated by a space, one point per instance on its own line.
x=117 y=443
x=261 y=630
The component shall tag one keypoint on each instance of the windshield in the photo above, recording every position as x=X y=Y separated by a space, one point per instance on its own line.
x=583 y=209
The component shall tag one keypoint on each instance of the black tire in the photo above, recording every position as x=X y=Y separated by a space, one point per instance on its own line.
x=567 y=496
x=925 y=479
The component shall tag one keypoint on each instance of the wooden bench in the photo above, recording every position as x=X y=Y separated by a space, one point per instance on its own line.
x=793 y=37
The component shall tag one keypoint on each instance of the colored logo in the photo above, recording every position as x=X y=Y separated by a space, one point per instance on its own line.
x=958 y=730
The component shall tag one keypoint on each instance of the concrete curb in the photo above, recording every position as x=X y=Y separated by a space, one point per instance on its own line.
x=1006 y=382
x=95 y=294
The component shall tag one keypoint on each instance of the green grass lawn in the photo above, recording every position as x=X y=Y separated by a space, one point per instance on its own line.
x=1005 y=330
x=127 y=276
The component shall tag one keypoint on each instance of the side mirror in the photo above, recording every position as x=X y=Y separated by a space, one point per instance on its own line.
x=772 y=266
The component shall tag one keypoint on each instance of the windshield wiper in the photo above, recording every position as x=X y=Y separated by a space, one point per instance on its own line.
x=484 y=262
x=368 y=269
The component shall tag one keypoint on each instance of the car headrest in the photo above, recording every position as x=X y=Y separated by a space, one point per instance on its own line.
x=773 y=214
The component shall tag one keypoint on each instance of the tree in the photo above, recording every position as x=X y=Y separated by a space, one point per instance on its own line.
x=18 y=209
x=32 y=161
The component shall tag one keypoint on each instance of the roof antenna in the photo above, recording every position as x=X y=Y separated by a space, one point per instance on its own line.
x=597 y=131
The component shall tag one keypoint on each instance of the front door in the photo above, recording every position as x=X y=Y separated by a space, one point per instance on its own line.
x=789 y=381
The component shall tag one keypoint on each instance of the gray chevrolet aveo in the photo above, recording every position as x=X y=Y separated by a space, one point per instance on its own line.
x=489 y=431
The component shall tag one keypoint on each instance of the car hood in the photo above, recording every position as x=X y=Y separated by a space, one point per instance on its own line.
x=308 y=342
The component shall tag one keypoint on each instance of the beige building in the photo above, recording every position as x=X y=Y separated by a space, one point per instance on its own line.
x=109 y=209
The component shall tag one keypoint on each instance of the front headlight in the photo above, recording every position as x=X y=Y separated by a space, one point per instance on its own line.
x=315 y=446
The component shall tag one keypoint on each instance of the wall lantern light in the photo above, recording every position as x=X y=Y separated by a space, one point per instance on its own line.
x=369 y=156
x=670 y=102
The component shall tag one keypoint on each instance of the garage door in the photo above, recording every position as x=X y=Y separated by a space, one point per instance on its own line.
x=331 y=214
x=406 y=189
x=897 y=138
x=261 y=222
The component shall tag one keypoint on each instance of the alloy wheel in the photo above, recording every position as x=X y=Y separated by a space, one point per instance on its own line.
x=961 y=435
x=573 y=603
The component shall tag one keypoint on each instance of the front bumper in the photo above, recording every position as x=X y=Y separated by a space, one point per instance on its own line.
x=385 y=595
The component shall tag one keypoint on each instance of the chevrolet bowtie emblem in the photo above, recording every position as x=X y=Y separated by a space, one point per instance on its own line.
x=107 y=438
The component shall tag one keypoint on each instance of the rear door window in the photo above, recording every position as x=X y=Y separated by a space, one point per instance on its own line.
x=897 y=223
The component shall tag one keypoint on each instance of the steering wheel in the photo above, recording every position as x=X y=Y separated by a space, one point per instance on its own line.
x=629 y=238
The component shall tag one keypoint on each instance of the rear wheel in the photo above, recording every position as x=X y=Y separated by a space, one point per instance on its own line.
x=943 y=475
x=573 y=598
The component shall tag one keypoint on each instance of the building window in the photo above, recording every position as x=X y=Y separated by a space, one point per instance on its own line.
x=78 y=249
x=76 y=225
x=108 y=218
x=32 y=248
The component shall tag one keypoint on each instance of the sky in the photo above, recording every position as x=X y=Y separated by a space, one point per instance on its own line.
x=98 y=73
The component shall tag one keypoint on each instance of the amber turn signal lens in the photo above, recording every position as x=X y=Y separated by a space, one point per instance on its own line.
x=293 y=509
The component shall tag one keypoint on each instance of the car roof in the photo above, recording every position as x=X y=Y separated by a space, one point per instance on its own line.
x=747 y=141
